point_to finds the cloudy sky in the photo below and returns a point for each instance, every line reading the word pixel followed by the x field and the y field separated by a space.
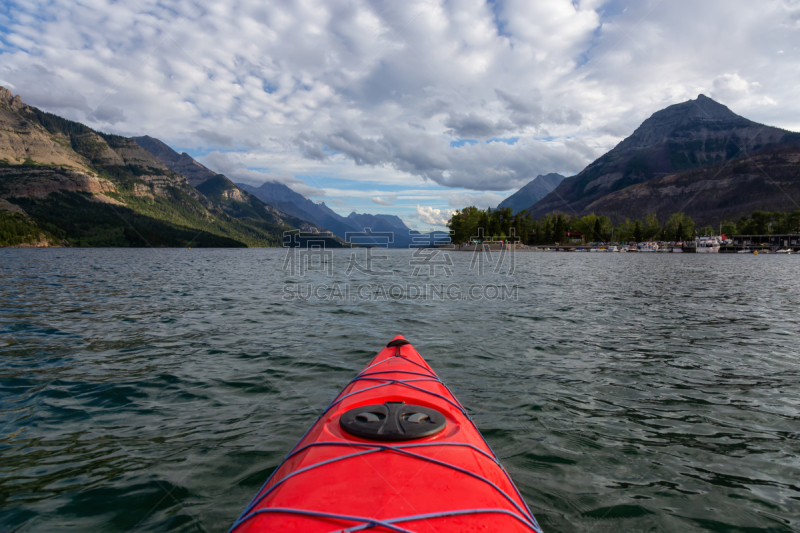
pixel 406 107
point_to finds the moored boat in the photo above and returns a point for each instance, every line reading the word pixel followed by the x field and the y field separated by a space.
pixel 707 245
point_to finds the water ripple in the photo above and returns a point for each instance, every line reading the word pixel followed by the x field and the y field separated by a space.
pixel 157 389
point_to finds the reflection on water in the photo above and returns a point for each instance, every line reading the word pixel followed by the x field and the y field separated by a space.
pixel 157 389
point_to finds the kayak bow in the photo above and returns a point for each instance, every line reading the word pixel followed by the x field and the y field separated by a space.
pixel 395 451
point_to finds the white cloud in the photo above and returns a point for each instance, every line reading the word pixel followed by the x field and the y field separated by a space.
pixel 380 201
pixel 224 163
pixel 108 114
pixel 215 138
pixel 433 216
pixel 481 200
pixel 730 87
pixel 376 92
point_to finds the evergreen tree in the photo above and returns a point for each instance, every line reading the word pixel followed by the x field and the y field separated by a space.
pixel 559 230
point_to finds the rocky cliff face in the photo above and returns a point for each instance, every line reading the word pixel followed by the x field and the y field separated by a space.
pixel 41 181
pixel 63 175
pixel 130 153
pixel 64 156
pixel 23 139
pixel 684 136
pixel 183 163
pixel 768 182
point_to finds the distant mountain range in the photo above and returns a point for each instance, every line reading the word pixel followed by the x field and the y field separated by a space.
pixel 288 201
pixel 658 169
pixel 276 195
pixel 285 199
pixel 68 184
pixel 535 190
pixel 64 183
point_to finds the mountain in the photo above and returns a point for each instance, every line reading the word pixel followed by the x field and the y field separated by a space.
pixel 535 190
pixel 288 201
pixel 390 222
pixel 184 164
pixel 219 189
pixel 67 184
pixel 693 134
pixel 401 234
pixel 768 181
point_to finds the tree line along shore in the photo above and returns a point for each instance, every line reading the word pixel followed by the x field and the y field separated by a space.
pixel 473 224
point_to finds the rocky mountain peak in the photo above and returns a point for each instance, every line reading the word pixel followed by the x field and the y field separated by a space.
pixel 706 107
pixel 157 148
pixel 689 135
pixel 8 98
pixel 182 163
pixel 532 192
pixel 680 119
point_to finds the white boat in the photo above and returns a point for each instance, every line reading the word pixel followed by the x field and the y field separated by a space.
pixel 678 248
pixel 784 251
pixel 612 249
pixel 648 247
pixel 707 245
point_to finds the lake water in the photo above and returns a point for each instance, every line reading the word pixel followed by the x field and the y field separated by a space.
pixel 155 390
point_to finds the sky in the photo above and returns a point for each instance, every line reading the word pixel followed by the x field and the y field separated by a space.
pixel 413 108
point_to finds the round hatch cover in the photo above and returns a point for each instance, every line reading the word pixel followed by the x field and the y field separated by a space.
pixel 393 421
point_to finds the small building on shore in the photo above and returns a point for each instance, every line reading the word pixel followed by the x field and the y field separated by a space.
pixel 791 240
pixel 575 237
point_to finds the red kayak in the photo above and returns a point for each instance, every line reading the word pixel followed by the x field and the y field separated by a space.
pixel 395 451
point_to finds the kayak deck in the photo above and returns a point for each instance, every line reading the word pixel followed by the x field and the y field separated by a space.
pixel 339 478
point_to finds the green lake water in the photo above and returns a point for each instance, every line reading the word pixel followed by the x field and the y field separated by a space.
pixel 156 390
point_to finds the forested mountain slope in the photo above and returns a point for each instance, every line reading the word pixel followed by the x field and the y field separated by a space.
pixel 82 187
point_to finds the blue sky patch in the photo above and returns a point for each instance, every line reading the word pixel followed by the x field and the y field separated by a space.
pixel 462 142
